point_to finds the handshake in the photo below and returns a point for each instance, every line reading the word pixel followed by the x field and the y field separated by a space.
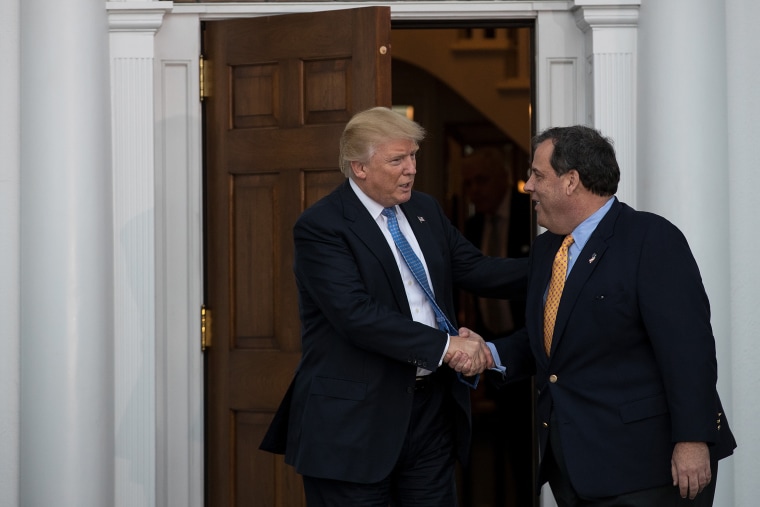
pixel 468 353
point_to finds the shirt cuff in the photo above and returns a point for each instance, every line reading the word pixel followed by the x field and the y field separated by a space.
pixel 445 349
pixel 496 360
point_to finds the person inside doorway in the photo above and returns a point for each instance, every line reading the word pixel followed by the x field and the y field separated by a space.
pixel 502 418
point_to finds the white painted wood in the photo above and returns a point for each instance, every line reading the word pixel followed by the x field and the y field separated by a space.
pixel 132 29
pixel 179 261
pixel 560 79
pixel 611 54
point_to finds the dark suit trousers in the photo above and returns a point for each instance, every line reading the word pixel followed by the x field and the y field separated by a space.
pixel 424 473
pixel 665 496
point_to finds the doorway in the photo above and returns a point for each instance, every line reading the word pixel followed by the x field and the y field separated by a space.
pixel 470 86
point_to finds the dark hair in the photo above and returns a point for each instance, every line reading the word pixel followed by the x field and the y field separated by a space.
pixel 587 151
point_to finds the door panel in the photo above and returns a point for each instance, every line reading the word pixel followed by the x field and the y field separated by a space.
pixel 281 90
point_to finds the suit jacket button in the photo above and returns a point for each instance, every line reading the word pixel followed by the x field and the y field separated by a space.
pixel 553 379
pixel 545 424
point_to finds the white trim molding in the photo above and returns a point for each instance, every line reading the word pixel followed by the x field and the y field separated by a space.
pixel 132 29
pixel 611 29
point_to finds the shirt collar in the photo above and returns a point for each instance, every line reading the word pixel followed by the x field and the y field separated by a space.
pixel 583 232
pixel 374 208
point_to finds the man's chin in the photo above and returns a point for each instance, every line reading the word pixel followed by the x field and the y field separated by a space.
pixel 404 196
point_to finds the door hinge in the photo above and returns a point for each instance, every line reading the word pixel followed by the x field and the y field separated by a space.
pixel 205 328
pixel 202 77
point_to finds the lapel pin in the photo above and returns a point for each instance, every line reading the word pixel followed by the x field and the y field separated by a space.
pixel 421 219
pixel 593 258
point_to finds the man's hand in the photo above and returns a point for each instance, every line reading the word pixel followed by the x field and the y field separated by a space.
pixel 468 353
pixel 690 467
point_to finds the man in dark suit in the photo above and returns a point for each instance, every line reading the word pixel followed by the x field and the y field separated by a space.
pixel 373 416
pixel 628 409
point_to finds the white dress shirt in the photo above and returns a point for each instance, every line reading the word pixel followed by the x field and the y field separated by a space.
pixel 419 305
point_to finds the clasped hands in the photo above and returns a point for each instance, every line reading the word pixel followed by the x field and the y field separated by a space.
pixel 468 353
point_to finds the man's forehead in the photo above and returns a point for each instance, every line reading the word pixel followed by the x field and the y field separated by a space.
pixel 397 146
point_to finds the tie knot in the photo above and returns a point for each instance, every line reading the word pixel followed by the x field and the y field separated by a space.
pixel 389 212
pixel 567 241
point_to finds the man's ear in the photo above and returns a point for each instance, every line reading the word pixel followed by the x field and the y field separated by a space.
pixel 573 181
pixel 358 169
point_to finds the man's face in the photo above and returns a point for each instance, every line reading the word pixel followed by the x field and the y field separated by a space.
pixel 388 176
pixel 548 191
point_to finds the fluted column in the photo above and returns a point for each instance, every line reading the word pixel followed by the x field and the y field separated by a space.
pixel 611 59
pixel 133 26
pixel 66 277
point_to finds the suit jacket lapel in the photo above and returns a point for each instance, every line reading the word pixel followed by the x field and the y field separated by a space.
pixel 366 229
pixel 589 258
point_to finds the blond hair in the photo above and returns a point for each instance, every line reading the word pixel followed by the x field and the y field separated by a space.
pixel 371 128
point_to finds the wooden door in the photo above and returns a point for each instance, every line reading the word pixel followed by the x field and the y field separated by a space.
pixel 281 90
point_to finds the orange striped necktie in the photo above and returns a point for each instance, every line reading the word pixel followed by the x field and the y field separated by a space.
pixel 556 285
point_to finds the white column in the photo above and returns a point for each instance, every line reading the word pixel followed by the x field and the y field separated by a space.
pixel 66 444
pixel 133 26
pixel 683 160
pixel 611 57
pixel 740 175
pixel 9 251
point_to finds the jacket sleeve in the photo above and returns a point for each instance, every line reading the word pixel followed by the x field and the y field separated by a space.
pixel 676 314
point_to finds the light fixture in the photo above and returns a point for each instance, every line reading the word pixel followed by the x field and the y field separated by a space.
pixel 407 111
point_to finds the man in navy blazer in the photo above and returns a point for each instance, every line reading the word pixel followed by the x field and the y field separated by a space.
pixel 374 416
pixel 628 410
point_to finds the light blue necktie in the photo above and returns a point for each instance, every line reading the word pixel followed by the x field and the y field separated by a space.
pixel 417 269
